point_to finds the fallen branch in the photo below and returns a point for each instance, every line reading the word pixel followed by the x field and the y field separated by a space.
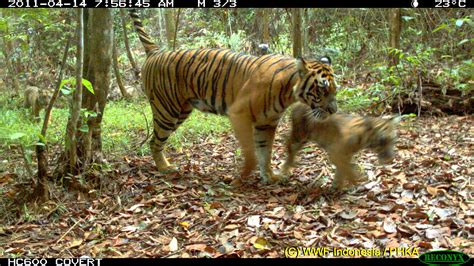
pixel 69 230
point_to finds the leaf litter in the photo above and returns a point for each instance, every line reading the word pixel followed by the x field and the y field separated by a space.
pixel 424 199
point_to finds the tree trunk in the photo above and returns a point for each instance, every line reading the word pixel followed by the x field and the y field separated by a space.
pixel 7 50
pixel 224 17
pixel 75 108
pixel 86 53
pixel 305 34
pixel 136 69
pixel 296 16
pixel 229 22
pixel 162 30
pixel 266 26
pixel 101 42
pixel 176 24
pixel 312 29
pixel 395 30
pixel 118 76
pixel 261 23
pixel 170 27
pixel 10 67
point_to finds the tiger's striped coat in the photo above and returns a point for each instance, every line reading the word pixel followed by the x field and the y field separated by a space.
pixel 252 91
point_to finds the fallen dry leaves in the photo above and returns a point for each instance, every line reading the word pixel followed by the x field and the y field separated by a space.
pixel 424 200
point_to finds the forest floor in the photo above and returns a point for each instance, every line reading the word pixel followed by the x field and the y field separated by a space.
pixel 424 200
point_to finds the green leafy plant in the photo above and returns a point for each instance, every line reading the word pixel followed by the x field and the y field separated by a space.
pixel 68 86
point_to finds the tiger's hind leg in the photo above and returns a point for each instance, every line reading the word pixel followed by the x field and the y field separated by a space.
pixel 162 129
pixel 160 135
pixel 184 114
pixel 156 147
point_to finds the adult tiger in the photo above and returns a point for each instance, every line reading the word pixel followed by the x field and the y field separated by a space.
pixel 253 91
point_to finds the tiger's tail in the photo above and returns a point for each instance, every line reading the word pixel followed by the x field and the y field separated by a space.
pixel 146 40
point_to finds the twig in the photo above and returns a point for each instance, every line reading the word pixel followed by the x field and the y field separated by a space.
pixel 47 114
pixel 420 91
pixel 174 253
pixel 404 85
pixel 69 230
pixel 148 134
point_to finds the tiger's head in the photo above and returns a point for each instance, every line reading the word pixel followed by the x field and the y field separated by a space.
pixel 382 137
pixel 316 86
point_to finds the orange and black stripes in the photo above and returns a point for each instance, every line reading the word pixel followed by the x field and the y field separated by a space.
pixel 144 37
pixel 215 76
pixel 224 82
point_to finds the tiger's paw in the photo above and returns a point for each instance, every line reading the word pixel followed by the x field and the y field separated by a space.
pixel 162 163
pixel 343 185
pixel 237 182
pixel 275 178
pixel 361 179
pixel 337 185
pixel 271 178
pixel 285 171
pixel 283 179
pixel 168 169
pixel 355 180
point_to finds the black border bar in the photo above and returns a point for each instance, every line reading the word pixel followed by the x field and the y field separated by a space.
pixel 196 262
pixel 441 4
pixel 86 261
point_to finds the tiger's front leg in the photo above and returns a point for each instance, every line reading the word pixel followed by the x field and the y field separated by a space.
pixel 242 125
pixel 264 136
pixel 345 175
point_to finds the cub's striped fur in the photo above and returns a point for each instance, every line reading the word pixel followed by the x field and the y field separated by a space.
pixel 342 136
pixel 252 91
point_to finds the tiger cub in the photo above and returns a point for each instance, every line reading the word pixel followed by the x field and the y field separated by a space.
pixel 36 99
pixel 342 136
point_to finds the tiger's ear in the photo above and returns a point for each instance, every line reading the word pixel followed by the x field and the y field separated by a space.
pixel 393 120
pixel 325 60
pixel 301 66
pixel 396 119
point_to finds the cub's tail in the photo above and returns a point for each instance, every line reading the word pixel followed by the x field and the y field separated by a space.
pixel 144 37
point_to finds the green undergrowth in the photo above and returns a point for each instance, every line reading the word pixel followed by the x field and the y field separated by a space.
pixel 124 127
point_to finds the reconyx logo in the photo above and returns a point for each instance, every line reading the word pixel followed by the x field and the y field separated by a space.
pixel 443 257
